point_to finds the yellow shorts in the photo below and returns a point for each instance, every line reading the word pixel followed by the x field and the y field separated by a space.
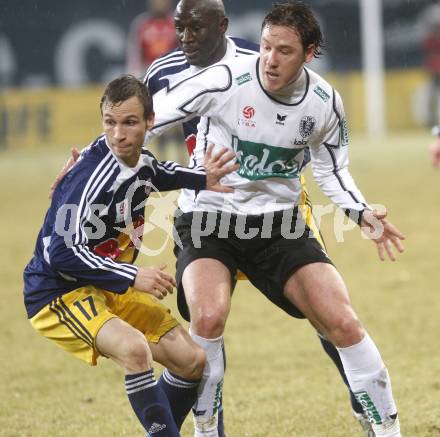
pixel 305 208
pixel 74 319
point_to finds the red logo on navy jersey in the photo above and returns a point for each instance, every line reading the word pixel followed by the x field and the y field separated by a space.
pixel 115 247
pixel 248 112
pixel 190 141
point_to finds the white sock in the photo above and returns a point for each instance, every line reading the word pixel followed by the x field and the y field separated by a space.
pixel 205 411
pixel 369 380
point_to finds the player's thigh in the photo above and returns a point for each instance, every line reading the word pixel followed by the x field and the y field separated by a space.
pixel 178 352
pixel 271 262
pixel 126 345
pixel 319 291
pixel 143 312
pixel 205 271
pixel 207 284
pixel 73 320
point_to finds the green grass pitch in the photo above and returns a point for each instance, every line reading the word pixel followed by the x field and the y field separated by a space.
pixel 279 383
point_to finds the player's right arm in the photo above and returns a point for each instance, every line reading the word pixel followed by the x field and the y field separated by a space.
pixel 154 280
pixel 74 220
pixel 198 95
pixel 434 147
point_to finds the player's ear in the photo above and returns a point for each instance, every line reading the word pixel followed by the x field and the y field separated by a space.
pixel 310 53
pixel 150 121
pixel 224 23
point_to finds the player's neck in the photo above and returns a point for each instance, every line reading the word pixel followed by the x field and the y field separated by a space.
pixel 219 53
pixel 293 90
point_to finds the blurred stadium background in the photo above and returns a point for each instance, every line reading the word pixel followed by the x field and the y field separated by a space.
pixel 54 59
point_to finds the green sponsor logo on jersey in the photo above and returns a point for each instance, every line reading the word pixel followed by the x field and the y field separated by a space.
pixel 243 78
pixel 261 161
pixel 343 133
pixel 321 93
pixel 368 406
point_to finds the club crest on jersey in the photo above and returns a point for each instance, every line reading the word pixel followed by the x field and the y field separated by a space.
pixel 261 161
pixel 248 113
pixel 306 126
pixel 122 210
pixel 281 119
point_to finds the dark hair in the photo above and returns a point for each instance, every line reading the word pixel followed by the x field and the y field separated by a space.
pixel 300 17
pixel 126 86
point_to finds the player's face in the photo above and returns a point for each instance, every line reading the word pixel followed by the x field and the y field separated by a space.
pixel 282 57
pixel 199 33
pixel 125 128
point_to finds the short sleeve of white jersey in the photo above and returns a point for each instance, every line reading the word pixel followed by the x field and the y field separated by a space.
pixel 330 161
pixel 198 95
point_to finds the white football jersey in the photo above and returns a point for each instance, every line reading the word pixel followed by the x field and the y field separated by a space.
pixel 271 139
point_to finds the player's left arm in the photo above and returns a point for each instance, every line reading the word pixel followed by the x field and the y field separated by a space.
pixel 170 175
pixel 382 232
pixel 75 154
pixel 330 168
pixel 330 162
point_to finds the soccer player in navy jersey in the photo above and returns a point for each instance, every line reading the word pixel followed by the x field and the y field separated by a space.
pixel 81 289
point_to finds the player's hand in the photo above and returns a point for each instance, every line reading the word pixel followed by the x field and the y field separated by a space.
pixel 154 280
pixel 383 233
pixel 434 151
pixel 67 166
pixel 217 166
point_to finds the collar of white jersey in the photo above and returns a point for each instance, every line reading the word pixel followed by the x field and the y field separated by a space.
pixel 231 51
pixel 293 94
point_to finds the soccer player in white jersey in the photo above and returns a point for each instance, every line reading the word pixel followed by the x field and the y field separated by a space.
pixel 268 109
pixel 200 28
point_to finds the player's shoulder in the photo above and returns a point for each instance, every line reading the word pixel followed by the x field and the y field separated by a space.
pixel 234 71
pixel 320 89
pixel 242 63
pixel 216 77
pixel 244 46
pixel 95 158
pixel 171 63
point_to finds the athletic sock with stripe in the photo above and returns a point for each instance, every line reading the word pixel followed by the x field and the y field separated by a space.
pixel 150 404
pixel 181 394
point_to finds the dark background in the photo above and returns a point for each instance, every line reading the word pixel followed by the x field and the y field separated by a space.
pixel 31 35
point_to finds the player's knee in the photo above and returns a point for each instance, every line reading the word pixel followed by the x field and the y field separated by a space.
pixel 346 331
pixel 136 355
pixel 209 324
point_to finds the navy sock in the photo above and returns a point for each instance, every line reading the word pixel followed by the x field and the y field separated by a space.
pixel 333 353
pixel 150 404
pixel 181 394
